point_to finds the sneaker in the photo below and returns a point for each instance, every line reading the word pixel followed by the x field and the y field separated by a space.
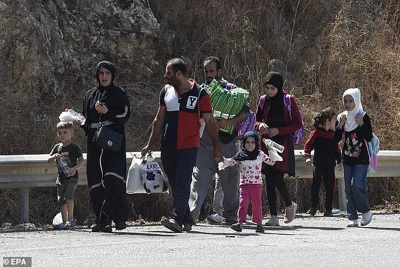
pixel 97 228
pixel 237 227
pixel 229 222
pixel 172 225
pixel 101 227
pixel 312 211
pixel 273 221
pixel 248 217
pixel 120 225
pixel 214 219
pixel 107 229
pixel 60 226
pixel 328 214
pixel 366 218
pixel 353 223
pixel 290 213
pixel 259 228
pixel 187 227
pixel 70 224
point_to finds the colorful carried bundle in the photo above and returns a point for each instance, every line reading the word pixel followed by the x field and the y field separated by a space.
pixel 226 103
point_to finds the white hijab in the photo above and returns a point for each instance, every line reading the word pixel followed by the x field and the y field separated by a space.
pixel 351 123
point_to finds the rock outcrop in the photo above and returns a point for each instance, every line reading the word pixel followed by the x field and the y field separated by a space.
pixel 48 51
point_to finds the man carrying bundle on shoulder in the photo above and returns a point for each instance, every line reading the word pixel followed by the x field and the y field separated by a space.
pixel 230 107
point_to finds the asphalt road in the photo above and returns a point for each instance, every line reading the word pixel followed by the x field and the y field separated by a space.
pixel 307 241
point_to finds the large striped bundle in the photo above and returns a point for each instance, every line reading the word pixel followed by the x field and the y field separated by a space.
pixel 226 103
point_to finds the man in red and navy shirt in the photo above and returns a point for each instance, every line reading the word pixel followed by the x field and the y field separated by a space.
pixel 182 104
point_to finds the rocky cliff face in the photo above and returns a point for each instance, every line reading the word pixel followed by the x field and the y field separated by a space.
pixel 48 51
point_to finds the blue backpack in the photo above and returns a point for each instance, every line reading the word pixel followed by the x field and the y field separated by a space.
pixel 372 149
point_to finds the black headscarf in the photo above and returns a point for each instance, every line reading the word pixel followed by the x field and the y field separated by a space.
pixel 243 154
pixel 275 78
pixel 109 66
pixel 275 116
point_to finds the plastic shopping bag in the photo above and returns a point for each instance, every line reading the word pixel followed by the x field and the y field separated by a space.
pixel 273 149
pixel 134 183
pixel 153 178
pixel 57 220
pixel 70 115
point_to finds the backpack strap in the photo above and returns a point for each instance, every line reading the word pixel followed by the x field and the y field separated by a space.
pixel 367 146
pixel 262 102
pixel 288 103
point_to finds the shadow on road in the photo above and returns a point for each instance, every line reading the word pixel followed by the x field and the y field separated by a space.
pixel 382 228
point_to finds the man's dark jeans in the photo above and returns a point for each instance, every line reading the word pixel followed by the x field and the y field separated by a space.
pixel 178 166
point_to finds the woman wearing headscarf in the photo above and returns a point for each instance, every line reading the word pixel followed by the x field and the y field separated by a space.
pixel 355 127
pixel 274 122
pixel 107 105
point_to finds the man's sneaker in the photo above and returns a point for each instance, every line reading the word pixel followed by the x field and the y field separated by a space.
pixel 290 213
pixel 353 223
pixel 120 225
pixel 366 218
pixel 187 227
pixel 237 227
pixel 229 222
pixel 70 224
pixel 101 227
pixel 274 221
pixel 107 229
pixel 214 219
pixel 312 211
pixel 259 228
pixel 328 213
pixel 172 225
pixel 97 228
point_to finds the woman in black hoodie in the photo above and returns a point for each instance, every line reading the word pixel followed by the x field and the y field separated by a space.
pixel 106 104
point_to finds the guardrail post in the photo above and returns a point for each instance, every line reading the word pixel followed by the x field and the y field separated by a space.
pixel 24 205
pixel 342 195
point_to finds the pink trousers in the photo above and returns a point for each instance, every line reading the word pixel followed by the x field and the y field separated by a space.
pixel 250 193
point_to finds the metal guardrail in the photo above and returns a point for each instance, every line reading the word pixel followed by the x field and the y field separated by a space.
pixel 26 171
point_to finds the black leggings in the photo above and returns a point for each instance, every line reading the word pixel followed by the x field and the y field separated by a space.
pixel 275 180
pixel 326 174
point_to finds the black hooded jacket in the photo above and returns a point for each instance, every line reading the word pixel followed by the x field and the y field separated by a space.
pixel 113 97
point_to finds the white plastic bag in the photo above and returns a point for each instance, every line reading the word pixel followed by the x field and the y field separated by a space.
pixel 70 115
pixel 57 220
pixel 273 154
pixel 152 177
pixel 224 164
pixel 134 183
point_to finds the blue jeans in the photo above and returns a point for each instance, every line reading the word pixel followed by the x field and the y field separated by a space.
pixel 178 166
pixel 355 180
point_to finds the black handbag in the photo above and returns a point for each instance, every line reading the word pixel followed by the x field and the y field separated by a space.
pixel 108 139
